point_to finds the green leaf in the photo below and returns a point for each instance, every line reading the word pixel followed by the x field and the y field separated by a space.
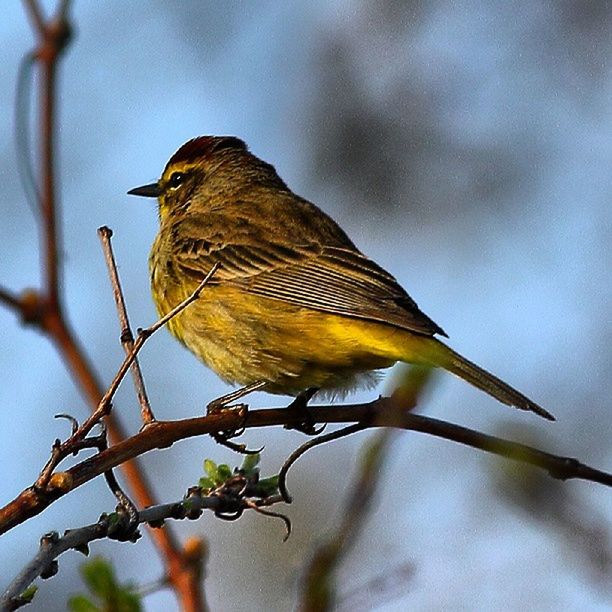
pixel 250 464
pixel 125 601
pixel 210 467
pixel 99 577
pixel 267 486
pixel 80 603
pixel 224 473
pixel 206 483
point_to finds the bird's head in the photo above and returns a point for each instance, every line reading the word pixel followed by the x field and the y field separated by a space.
pixel 207 171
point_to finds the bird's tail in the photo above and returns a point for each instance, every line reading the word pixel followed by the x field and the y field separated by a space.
pixel 444 357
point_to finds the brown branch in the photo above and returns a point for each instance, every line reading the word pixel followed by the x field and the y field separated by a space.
pixel 127 337
pixel 403 399
pixel 73 443
pixel 10 300
pixel 36 16
pixel 44 308
pixel 162 434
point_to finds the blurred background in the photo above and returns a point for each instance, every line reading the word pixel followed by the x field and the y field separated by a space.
pixel 466 146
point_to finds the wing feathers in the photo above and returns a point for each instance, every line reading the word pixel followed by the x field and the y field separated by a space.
pixel 326 278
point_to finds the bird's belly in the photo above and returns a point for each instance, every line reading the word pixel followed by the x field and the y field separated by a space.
pixel 246 338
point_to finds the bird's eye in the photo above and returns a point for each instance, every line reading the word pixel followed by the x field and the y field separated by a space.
pixel 176 180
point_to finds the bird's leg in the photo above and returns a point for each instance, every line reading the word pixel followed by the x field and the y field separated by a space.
pixel 221 404
pixel 306 423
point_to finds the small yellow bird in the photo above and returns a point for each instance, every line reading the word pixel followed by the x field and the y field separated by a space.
pixel 294 306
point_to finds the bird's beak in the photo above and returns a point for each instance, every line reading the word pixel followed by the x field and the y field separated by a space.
pixel 146 191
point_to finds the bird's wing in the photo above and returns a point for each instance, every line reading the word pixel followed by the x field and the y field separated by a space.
pixel 330 279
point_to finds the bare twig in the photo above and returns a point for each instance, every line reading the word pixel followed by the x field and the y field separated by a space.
pixel 296 454
pixel 104 406
pixel 100 442
pixel 257 507
pixel 403 399
pixel 143 336
pixel 127 338
pixel 162 434
pixel 172 313
pixel 36 16
pixel 44 308
pixel 9 299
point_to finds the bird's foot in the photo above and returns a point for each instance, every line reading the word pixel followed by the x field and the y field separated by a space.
pixel 220 405
pixel 305 422
pixel 224 437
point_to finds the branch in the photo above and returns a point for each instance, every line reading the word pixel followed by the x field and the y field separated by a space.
pixel 52 545
pixel 103 408
pixel 43 308
pixel 127 337
pixel 162 434
pixel 36 16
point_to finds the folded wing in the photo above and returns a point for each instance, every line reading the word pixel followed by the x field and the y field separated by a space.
pixel 326 278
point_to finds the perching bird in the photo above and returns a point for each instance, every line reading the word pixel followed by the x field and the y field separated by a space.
pixel 293 305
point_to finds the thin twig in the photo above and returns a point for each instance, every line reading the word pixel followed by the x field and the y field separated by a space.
pixel 43 308
pixel 143 336
pixel 52 545
pixel 10 299
pixel 104 406
pixel 296 454
pixel 62 9
pixel 125 503
pixel 403 399
pixel 36 16
pixel 127 338
pixel 169 315
pixel 257 507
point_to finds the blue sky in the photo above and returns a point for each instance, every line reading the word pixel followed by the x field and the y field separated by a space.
pixel 494 124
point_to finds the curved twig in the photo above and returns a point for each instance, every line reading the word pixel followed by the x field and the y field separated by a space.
pixel 296 454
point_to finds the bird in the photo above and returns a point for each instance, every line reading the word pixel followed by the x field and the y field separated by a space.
pixel 293 306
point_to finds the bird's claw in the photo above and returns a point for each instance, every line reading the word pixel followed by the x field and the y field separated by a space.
pixel 224 437
pixel 306 423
